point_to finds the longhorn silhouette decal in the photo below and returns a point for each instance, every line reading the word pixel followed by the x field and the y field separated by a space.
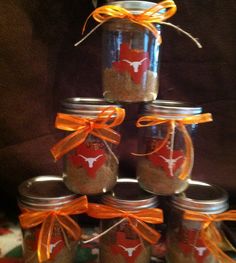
pixel 129 250
pixel 169 159
pixel 52 246
pixel 190 243
pixel 132 61
pixel 200 250
pixel 89 157
pixel 90 160
pixel 135 64
pixel 170 162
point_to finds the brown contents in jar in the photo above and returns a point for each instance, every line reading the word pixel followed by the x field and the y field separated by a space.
pixel 120 86
pixel 78 180
pixel 124 253
pixel 155 180
pixel 65 254
pixel 175 254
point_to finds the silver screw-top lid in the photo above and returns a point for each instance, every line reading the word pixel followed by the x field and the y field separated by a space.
pixel 128 195
pixel 44 192
pixel 202 197
pixel 172 109
pixel 135 7
pixel 85 107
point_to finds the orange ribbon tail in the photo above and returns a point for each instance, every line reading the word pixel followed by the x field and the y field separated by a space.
pixel 209 232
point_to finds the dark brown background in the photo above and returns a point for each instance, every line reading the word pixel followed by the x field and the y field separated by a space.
pixel 39 66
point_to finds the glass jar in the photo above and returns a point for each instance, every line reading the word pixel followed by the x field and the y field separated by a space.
pixel 121 243
pixel 92 167
pixel 166 164
pixel 130 57
pixel 184 242
pixel 46 194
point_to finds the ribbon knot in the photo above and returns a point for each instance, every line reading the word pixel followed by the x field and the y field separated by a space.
pixel 137 219
pixel 156 14
pixel 91 125
pixel 147 121
pixel 210 233
pixel 209 220
pixel 47 219
pixel 100 126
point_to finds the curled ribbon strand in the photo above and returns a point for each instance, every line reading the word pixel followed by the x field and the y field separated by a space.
pixel 147 121
pixel 137 220
pixel 100 127
pixel 47 219
pixel 209 232
pixel 156 14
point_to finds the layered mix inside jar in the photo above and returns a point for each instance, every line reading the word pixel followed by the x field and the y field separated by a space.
pixel 40 198
pixel 159 172
pixel 121 243
pixel 130 57
pixel 62 248
pixel 166 155
pixel 91 166
pixel 186 242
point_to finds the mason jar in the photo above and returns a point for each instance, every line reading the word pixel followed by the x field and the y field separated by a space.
pixel 184 241
pixel 91 167
pixel 130 57
pixel 121 243
pixel 166 153
pixel 46 194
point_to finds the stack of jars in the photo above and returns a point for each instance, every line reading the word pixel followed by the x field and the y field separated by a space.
pixel 128 208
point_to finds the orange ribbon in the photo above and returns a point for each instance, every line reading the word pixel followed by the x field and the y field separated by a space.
pixel 147 121
pixel 136 219
pixel 47 219
pixel 82 127
pixel 209 232
pixel 156 14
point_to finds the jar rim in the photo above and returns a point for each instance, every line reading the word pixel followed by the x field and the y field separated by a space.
pixel 172 108
pixel 202 197
pixel 44 192
pixel 133 199
pixel 135 7
pixel 86 106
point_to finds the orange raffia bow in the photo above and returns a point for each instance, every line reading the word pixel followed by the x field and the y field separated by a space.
pixel 137 220
pixel 209 232
pixel 82 127
pixel 156 14
pixel 47 220
pixel 147 121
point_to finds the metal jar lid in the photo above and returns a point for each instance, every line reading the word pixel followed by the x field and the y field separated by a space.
pixel 172 109
pixel 202 197
pixel 85 107
pixel 135 7
pixel 128 195
pixel 44 192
